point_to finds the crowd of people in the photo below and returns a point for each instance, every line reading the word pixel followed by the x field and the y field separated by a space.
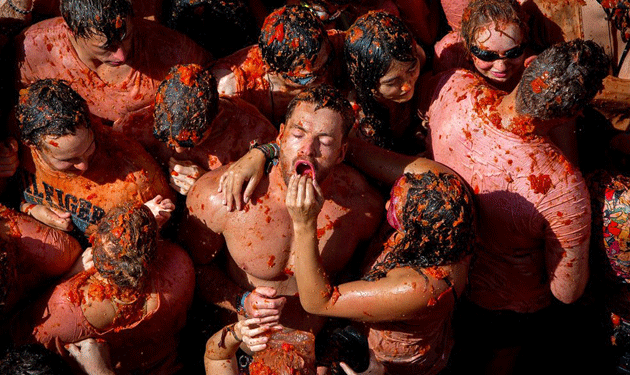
pixel 314 187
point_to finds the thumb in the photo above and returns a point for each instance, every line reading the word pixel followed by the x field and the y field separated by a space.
pixel 266 291
pixel 59 212
pixel 73 349
pixel 347 368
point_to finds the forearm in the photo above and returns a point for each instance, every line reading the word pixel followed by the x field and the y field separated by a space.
pixel 570 275
pixel 222 345
pixel 219 357
pixel 314 287
pixel 379 163
pixel 387 166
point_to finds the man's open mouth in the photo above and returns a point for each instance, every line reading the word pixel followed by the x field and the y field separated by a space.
pixel 305 168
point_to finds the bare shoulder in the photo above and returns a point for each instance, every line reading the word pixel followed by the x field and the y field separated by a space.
pixel 203 200
pixel 100 314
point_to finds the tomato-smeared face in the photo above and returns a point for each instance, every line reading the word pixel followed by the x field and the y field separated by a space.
pixel 505 42
pixel 398 83
pixel 96 49
pixel 68 153
pixel 312 142
pixel 310 74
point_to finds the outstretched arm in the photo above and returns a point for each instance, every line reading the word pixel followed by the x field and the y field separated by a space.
pixel 386 166
pixel 402 293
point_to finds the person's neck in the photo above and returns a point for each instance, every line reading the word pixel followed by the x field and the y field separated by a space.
pixel 511 120
pixel 521 124
pixel 277 185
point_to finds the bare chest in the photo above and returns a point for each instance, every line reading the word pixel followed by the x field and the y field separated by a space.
pixel 259 240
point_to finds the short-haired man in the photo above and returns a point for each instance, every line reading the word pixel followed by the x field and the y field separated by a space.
pixel 258 238
pixel 113 61
pixel 294 52
pixel 76 170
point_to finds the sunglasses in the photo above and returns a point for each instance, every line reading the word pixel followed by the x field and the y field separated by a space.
pixel 490 56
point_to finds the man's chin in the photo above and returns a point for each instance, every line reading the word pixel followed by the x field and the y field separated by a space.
pixel 115 63
pixel 73 173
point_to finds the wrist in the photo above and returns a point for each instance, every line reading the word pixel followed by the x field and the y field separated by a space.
pixel 271 151
pixel 232 329
pixel 24 11
pixel 27 208
pixel 305 227
pixel 240 303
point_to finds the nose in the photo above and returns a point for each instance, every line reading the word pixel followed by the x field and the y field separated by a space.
pixel 308 147
pixel 120 54
pixel 501 65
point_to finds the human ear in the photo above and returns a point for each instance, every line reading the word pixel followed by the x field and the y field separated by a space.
pixel 280 133
pixel 342 152
pixel 529 60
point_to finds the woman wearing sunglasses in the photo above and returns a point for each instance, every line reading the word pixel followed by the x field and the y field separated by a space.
pixel 494 33
pixel 384 63
pixel 491 41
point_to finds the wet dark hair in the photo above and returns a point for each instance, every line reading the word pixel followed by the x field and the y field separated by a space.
pixel 480 13
pixel 124 245
pixel 186 103
pixel 291 38
pixel 562 79
pixel 87 18
pixel 370 45
pixel 438 220
pixel 33 359
pixel 325 96
pixel 204 20
pixel 50 107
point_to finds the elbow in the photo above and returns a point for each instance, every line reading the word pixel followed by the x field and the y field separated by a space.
pixel 312 308
pixel 569 291
pixel 568 298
